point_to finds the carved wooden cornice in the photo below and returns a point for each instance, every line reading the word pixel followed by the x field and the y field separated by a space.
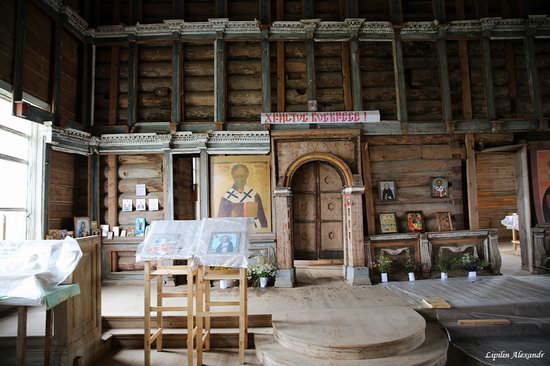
pixel 134 142
pixel 69 140
pixel 245 142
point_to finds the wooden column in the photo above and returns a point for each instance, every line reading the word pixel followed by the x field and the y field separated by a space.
pixel 352 10
pixel 439 10
pixel 356 75
pixel 135 11
pixel 471 177
pixel 464 67
pixel 353 202
pixel 481 10
pixel 311 92
pixel 21 14
pixel 177 91
pixel 219 81
pixel 93 187
pixel 280 63
pixel 488 78
pixel 204 185
pixel 444 80
pixel 367 180
pixel 57 64
pixel 221 8
pixel 85 90
pixel 308 9
pixel 528 250
pixel 46 190
pixel 400 87
pixel 113 85
pixel 112 191
pixel 168 183
pixel 396 16
pixel 533 75
pixel 264 11
pixel 21 335
pixel 132 81
pixel 266 73
pixel 282 199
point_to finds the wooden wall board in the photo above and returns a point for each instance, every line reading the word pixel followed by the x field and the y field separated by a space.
pixel 7 39
pixel 38 53
pixel 71 71
pixel 496 189
pixel 67 189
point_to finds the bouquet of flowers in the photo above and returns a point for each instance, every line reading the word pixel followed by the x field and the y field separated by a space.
pixel 383 263
pixel 471 263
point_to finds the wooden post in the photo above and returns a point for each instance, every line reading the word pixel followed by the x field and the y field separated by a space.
pixel 135 11
pixel 221 8
pixel 481 9
pixel 264 11
pixel 18 55
pixel 93 187
pixel 527 247
pixel 439 10
pixel 21 335
pixel 204 185
pixel 45 191
pixel 532 75
pixel 147 314
pixel 283 209
pixel 308 9
pixel 471 177
pixel 85 89
pixel 399 72
pixel 349 98
pixel 356 75
pixel 113 89
pixel 280 63
pixel 444 79
pixel 310 61
pixel 352 9
pixel 168 182
pixel 112 190
pixel 266 74
pixel 48 337
pixel 464 67
pixel 177 73
pixel 219 81
pixel 488 78
pixel 57 64
pixel 367 179
pixel 132 81
pixel 396 11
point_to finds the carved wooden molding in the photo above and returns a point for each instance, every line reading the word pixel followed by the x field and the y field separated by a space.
pixel 326 157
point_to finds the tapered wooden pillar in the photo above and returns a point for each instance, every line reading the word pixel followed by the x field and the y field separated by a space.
pixel 356 271
pixel 286 275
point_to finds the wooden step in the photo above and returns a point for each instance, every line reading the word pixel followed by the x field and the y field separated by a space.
pixel 174 321
pixel 351 334
pixel 177 338
pixel 433 352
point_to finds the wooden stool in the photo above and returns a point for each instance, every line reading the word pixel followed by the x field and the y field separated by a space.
pixel 158 274
pixel 205 305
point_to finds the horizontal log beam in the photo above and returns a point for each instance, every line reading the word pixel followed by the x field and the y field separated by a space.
pixel 32 113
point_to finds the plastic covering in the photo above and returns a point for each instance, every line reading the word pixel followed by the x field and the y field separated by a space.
pixel 29 268
pixel 219 242
pixel 511 222
pixel 170 239
pixel 224 242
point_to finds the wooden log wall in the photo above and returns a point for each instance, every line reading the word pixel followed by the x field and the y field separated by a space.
pixel 328 77
pixel 7 37
pixel 132 170
pixel 375 10
pixel 295 77
pixel 422 81
pixel 243 9
pixel 455 80
pixel 244 81
pixel 198 81
pixel 477 84
pixel 70 71
pixel 68 189
pixel 154 83
pixel 542 51
pixel 510 79
pixel 417 10
pixel 199 10
pixel 413 164
pixel 377 79
pixel 102 85
pixel 38 53
pixel 184 191
pixel 155 11
pixel 496 190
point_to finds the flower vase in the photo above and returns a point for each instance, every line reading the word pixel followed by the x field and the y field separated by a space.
pixel 384 277
pixel 472 275
pixel 411 276
pixel 224 284
pixel 444 275
pixel 263 282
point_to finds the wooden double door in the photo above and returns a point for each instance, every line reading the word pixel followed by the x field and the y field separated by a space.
pixel 317 210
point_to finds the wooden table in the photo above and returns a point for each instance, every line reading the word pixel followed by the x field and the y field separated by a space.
pixel 51 299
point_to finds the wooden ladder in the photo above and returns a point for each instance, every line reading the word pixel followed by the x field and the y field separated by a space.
pixel 159 274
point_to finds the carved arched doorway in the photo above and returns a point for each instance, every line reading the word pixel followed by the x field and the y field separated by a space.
pixel 317 212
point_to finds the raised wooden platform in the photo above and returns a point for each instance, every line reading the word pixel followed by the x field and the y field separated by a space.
pixel 353 334
pixel 433 352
